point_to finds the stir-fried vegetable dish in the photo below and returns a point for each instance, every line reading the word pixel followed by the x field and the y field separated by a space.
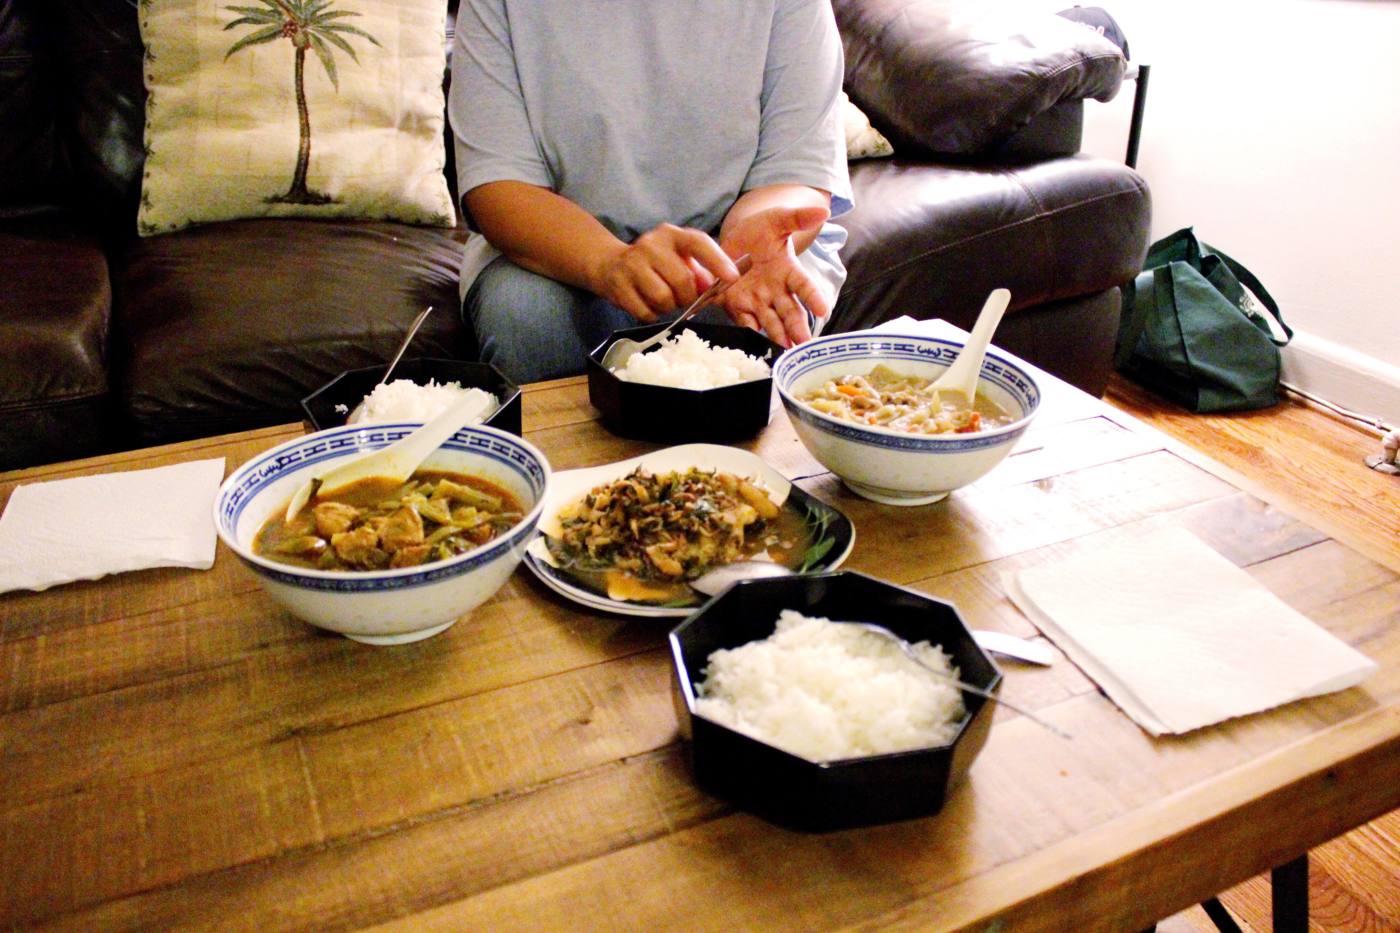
pixel 885 398
pixel 643 536
pixel 379 523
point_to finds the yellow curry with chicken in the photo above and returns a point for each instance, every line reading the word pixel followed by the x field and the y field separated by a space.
pixel 380 523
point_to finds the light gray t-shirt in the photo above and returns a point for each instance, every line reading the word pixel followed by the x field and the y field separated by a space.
pixel 651 111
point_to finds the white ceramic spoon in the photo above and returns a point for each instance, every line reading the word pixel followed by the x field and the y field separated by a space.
pixel 963 374
pixel 1010 646
pixel 397 461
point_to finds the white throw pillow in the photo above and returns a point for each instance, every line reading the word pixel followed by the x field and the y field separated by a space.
pixel 863 141
pixel 308 108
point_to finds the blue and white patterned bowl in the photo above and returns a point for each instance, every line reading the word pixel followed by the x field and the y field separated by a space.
pixel 383 607
pixel 889 466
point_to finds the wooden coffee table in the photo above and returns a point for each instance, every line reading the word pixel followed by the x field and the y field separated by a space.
pixel 177 753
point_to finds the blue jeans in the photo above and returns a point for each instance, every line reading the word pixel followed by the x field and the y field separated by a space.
pixel 532 327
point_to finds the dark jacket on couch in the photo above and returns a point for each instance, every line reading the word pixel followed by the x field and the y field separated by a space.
pixel 115 341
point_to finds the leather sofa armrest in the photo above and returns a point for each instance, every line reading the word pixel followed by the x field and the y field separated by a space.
pixel 957 78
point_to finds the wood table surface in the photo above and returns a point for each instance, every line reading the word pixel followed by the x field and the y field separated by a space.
pixel 178 753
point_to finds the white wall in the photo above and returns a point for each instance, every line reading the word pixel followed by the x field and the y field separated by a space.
pixel 1271 126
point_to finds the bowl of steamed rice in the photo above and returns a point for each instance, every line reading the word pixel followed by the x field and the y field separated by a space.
pixel 418 390
pixel 817 725
pixel 703 382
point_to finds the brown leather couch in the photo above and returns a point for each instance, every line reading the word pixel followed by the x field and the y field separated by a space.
pixel 114 341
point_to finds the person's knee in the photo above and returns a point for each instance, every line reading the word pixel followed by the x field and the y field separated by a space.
pixel 521 321
pixel 504 295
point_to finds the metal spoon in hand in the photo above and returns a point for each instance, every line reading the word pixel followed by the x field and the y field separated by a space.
pixel 624 348
pixel 999 643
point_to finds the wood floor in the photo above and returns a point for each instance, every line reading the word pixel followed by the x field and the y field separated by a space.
pixel 1310 463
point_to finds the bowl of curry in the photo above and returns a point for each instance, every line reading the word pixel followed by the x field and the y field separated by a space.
pixel 381 561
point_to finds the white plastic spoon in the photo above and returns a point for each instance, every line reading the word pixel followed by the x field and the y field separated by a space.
pixel 396 462
pixel 963 374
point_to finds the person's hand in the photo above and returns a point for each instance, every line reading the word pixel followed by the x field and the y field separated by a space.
pixel 766 297
pixel 663 269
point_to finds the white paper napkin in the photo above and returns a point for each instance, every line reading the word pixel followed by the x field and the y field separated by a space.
pixel 89 526
pixel 1179 637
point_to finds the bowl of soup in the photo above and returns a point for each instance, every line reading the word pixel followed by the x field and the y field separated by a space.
pixel 378 561
pixel 862 404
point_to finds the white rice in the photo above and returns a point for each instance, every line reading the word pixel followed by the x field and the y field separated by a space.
pixel 825 691
pixel 406 400
pixel 687 361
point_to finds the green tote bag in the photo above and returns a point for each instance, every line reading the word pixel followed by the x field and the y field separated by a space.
pixel 1195 331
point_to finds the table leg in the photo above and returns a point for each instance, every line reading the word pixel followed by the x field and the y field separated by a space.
pixel 1289 889
pixel 1220 916
pixel 1289 884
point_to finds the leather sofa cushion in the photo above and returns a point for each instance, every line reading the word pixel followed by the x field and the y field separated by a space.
pixel 54 317
pixel 228 326
pixel 102 102
pixel 954 79
pixel 30 178
pixel 1054 132
pixel 932 241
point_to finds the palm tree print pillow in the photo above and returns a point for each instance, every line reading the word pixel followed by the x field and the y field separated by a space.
pixel 307 108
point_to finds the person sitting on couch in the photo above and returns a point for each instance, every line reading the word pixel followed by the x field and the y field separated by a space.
pixel 603 147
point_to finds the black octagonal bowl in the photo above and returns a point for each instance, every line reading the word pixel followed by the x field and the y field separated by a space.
pixel 350 388
pixel 664 413
pixel 794 792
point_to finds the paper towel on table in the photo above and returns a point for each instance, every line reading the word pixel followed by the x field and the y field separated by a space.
pixel 929 327
pixel 89 526
pixel 1179 637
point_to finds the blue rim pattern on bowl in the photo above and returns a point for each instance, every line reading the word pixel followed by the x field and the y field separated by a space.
pixel 499 446
pixel 801 360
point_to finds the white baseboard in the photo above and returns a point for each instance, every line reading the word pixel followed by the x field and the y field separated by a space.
pixel 1341 375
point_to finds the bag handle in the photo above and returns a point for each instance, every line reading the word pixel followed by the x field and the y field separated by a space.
pixel 1257 289
pixel 1182 246
pixel 1138 299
